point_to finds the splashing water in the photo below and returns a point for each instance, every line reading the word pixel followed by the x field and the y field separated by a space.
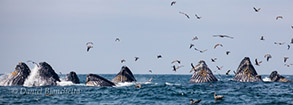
pixel 267 79
pixel 34 78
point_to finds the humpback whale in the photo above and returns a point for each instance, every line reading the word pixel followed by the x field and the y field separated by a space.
pixel 125 75
pixel 96 80
pixel 246 72
pixel 275 77
pixel 202 73
pixel 72 77
pixel 17 77
pixel 43 75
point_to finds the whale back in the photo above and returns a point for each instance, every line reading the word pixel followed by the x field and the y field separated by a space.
pixel 246 72
pixel 96 80
pixel 202 73
pixel 72 77
pixel 17 77
pixel 125 75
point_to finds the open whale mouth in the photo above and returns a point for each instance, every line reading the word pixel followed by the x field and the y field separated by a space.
pixel 42 75
pixel 125 75
pixel 246 72
pixel 17 77
pixel 202 73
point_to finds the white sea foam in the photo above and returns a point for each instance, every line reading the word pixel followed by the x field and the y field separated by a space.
pixel 172 84
pixel 64 83
pixel 267 79
pixel 122 84
pixel 34 78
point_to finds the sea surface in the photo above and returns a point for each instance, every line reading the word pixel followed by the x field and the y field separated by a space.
pixel 162 90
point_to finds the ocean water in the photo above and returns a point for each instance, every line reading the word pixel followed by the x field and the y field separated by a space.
pixel 164 89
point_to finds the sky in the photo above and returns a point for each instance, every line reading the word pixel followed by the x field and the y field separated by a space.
pixel 56 31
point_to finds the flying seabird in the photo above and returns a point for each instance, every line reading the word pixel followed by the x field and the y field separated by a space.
pixel 194 101
pixel 223 36
pixel 201 51
pixel 219 68
pixel 123 60
pixel 88 48
pixel 257 63
pixel 190 46
pixel 256 9
pixel 159 56
pixel 173 2
pixel 198 17
pixel 195 38
pixel 213 59
pixel 227 73
pixel 184 14
pixel 136 58
pixel 117 40
pixel 228 52
pixel 268 56
pixel 285 59
pixel 288 46
pixel 262 38
pixel 218 45
pixel 279 43
pixel 89 43
pixel 279 17
pixel 150 71
pixel 176 68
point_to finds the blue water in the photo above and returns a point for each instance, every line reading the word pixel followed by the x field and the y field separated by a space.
pixel 164 89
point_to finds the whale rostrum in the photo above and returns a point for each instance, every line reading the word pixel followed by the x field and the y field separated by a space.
pixel 72 77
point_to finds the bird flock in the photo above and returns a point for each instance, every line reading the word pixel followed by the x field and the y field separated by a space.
pixel 176 64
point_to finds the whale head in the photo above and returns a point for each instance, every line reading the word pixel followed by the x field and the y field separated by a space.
pixel 125 75
pixel 202 73
pixel 246 72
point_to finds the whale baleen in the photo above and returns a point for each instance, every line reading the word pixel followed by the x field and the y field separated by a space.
pixel 202 73
pixel 246 72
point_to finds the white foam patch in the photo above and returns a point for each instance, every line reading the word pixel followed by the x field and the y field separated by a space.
pixel 172 84
pixel 64 83
pixel 34 78
pixel 122 84
pixel 3 79
pixel 267 79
